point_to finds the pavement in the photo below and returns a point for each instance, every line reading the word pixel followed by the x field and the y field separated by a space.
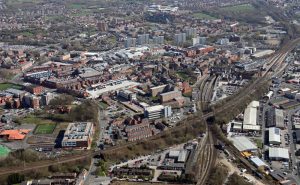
pixel 91 178
pixel 292 148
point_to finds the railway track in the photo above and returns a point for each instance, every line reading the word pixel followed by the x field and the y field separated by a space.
pixel 277 59
pixel 208 156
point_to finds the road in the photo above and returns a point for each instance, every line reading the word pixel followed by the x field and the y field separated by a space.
pixel 92 178
pixel 276 60
pixel 292 146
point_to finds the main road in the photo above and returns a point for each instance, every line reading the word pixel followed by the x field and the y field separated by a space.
pixel 275 61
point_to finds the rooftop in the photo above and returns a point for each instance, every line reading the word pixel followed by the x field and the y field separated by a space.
pixel 243 144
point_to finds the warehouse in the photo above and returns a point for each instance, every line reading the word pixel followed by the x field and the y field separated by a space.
pixel 261 54
pixel 257 162
pixel 275 118
pixel 250 115
pixel 278 154
pixel 243 144
pixel 274 136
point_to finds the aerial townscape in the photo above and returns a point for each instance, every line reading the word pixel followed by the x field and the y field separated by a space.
pixel 130 92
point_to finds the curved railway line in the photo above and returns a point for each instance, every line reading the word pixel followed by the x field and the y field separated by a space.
pixel 275 62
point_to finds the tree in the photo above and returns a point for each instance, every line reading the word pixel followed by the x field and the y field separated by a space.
pixel 62 100
pixel 15 178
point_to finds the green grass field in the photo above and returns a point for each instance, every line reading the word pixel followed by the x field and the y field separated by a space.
pixel 45 129
pixel 4 86
pixel 239 8
pixel 103 105
pixel 203 16
pixel 4 151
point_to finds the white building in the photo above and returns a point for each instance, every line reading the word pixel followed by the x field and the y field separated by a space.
pixel 279 154
pixel 243 144
pixel 157 112
pixel 250 117
pixel 78 135
pixel 274 136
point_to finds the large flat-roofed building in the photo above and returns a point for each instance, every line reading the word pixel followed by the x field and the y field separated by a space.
pixel 275 118
pixel 168 96
pixel 274 136
pixel 250 117
pixel 78 135
pixel 279 154
pixel 157 112
pixel 243 144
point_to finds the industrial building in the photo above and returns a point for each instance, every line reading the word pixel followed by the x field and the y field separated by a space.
pixel 275 118
pixel 261 54
pixel 78 135
pixel 250 117
pixel 157 112
pixel 243 144
pixel 274 136
pixel 257 162
pixel 278 154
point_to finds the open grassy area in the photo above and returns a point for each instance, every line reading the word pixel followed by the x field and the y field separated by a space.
pixel 103 105
pixel 45 129
pixel 239 8
pixel 76 6
pixel 203 16
pixel 4 151
pixel 259 143
pixel 4 86
pixel 32 119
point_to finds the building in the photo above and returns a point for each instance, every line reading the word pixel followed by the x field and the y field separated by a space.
pixel 279 118
pixel 130 42
pixel 121 172
pixel 190 32
pixel 157 90
pixel 261 54
pixel 35 89
pixel 138 131
pixel 179 38
pixel 297 135
pixel 16 93
pixel 278 154
pixel 250 117
pixel 47 97
pixel 275 118
pixel 102 26
pixel 11 135
pixel 157 112
pixel 168 96
pixel 258 162
pixel 78 135
pixel 127 94
pixel 143 39
pixel 243 144
pixel 5 97
pixel 158 40
pixel 274 136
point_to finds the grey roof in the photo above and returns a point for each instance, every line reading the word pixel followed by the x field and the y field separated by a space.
pixel 243 144
pixel 281 153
